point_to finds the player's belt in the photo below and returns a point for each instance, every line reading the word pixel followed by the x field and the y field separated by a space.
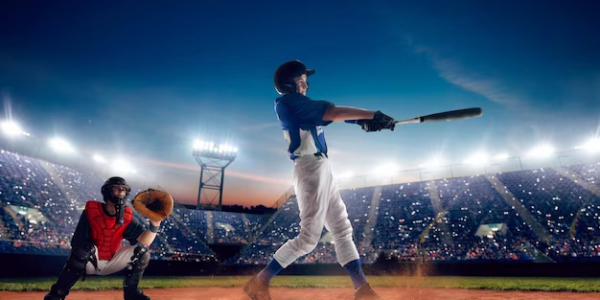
pixel 319 154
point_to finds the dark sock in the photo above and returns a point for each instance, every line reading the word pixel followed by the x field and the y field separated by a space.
pixel 270 271
pixel 356 273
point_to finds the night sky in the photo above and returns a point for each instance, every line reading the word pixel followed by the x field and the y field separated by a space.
pixel 143 81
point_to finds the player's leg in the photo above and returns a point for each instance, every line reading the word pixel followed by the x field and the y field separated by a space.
pixel 119 261
pixel 74 268
pixel 135 267
pixel 338 223
pixel 134 259
pixel 312 193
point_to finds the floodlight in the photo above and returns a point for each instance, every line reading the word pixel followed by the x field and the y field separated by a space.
pixel 434 163
pixel 477 159
pixel 592 146
pixel 198 144
pixel 99 159
pixel 11 128
pixel 542 151
pixel 61 145
pixel 386 169
pixel 122 165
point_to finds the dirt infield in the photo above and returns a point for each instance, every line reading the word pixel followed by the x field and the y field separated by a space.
pixel 217 293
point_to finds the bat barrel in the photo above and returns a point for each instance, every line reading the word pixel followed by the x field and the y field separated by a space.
pixel 452 115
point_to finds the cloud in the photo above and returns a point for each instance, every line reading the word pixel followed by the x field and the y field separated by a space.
pixel 453 71
pixel 491 88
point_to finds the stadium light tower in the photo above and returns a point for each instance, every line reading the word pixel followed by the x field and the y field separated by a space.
pixel 212 160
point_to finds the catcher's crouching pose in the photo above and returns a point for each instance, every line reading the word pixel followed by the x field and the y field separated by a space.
pixel 97 238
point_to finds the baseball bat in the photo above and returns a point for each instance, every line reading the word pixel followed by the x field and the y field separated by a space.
pixel 452 115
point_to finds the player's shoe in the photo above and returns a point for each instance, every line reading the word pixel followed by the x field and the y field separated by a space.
pixel 365 292
pixel 257 289
pixel 136 294
pixel 53 297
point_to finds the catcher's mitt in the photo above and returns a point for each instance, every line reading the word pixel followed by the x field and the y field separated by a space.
pixel 154 204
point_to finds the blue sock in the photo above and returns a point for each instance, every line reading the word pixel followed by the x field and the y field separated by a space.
pixel 271 270
pixel 356 273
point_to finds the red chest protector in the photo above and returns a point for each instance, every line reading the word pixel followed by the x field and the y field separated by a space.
pixel 106 234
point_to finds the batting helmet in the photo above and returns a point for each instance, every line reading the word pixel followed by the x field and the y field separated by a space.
pixel 285 74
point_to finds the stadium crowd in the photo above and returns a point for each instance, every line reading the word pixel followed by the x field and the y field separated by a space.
pixel 41 202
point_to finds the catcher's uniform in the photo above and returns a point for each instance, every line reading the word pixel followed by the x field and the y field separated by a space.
pixel 97 227
pixel 319 200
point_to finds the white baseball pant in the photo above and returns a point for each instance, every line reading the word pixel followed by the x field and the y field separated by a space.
pixel 106 267
pixel 320 205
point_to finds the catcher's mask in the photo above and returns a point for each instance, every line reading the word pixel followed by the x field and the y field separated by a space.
pixel 107 193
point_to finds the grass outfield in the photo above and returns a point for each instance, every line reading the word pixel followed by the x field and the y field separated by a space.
pixel 493 283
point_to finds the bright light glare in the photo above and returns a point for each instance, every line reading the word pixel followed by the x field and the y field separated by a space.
pixel 347 174
pixel 122 166
pixel 11 128
pixel 198 144
pixel 477 159
pixel 592 146
pixel 61 145
pixel 386 170
pixel 542 151
pixel 502 156
pixel 99 159
pixel 434 163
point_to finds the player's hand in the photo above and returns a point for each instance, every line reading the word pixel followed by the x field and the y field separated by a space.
pixel 379 122
pixel 155 223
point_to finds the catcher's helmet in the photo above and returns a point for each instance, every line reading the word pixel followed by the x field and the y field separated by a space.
pixel 285 74
pixel 106 193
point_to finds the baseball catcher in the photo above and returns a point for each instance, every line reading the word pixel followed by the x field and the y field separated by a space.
pixel 319 200
pixel 95 246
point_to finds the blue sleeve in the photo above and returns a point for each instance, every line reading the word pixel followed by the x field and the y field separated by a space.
pixel 285 118
pixel 309 112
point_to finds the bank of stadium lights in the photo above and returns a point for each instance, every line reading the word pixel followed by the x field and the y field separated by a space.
pixel 12 129
pixel 61 146
pixel 541 151
pixel 210 149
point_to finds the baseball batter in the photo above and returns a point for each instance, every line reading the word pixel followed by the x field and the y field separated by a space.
pixel 96 243
pixel 319 200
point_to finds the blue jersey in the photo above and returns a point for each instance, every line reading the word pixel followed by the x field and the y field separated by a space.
pixel 301 119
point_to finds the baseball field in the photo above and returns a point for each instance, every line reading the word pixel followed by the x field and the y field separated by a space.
pixel 319 287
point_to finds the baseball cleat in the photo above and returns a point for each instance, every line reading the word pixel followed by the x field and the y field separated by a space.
pixel 365 292
pixel 257 289
pixel 136 294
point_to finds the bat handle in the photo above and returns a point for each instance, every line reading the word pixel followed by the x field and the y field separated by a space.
pixel 410 121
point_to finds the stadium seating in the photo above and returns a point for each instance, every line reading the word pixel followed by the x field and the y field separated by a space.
pixel 41 202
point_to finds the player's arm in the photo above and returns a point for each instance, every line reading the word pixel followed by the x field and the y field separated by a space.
pixel 148 236
pixel 369 120
pixel 346 113
pixel 82 237
pixel 137 232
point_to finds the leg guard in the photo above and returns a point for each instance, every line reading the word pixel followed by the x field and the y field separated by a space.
pixel 73 269
pixel 134 272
